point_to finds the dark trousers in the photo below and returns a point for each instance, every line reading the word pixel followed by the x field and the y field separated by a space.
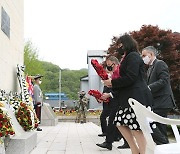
pixel 159 134
pixel 37 108
pixel 112 130
pixel 105 113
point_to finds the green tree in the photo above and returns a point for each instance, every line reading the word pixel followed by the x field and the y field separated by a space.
pixel 51 77
pixel 70 80
pixel 31 61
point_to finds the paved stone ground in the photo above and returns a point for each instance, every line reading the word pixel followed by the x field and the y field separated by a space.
pixel 73 138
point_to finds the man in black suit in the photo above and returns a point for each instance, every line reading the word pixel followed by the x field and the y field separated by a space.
pixel 106 112
pixel 110 109
pixel 158 81
pixel 107 107
pixel 104 115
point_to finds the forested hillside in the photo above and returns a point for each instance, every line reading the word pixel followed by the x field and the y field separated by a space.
pixel 70 79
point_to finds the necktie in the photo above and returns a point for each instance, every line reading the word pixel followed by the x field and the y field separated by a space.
pixel 149 70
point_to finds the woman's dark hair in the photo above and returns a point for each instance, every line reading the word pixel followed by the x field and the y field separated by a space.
pixel 129 43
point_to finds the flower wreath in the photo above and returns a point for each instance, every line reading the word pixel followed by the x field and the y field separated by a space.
pixel 14 102
pixel 97 94
pixel 99 69
pixel 27 117
pixel 5 123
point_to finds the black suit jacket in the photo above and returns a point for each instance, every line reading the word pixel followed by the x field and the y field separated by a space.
pixel 132 83
pixel 112 102
pixel 106 106
pixel 159 82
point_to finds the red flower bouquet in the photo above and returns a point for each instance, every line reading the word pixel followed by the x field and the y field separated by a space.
pixel 97 94
pixel 99 69
pixel 5 125
pixel 26 117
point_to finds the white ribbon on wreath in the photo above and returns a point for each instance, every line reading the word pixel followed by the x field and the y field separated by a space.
pixel 32 118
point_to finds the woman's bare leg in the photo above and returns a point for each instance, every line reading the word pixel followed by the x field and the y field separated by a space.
pixel 126 132
pixel 140 139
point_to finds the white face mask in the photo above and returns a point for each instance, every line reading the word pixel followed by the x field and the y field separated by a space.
pixel 146 60
pixel 40 82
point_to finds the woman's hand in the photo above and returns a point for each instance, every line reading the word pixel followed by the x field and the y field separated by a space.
pixel 107 83
pixel 105 96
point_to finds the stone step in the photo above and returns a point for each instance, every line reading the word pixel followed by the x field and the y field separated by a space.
pixel 48 117
pixel 22 144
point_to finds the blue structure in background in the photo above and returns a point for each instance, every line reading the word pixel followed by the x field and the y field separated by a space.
pixel 53 100
pixel 55 96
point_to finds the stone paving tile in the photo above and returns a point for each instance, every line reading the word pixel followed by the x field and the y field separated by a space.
pixel 55 152
pixel 39 151
pixel 60 140
pixel 72 138
pixel 44 144
pixel 74 152
pixel 57 147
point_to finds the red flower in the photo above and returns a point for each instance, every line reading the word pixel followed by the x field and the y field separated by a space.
pixel 99 69
pixel 36 125
pixel 12 133
pixel 97 94
pixel 1 134
pixel 1 116
pixel 5 120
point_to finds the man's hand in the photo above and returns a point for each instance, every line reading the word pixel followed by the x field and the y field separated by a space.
pixel 99 100
pixel 105 96
pixel 107 83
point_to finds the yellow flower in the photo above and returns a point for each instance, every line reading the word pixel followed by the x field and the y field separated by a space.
pixel 30 99
pixel 1 104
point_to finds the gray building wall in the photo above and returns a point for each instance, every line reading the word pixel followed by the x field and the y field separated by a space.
pixel 94 80
pixel 11 48
pixel 84 84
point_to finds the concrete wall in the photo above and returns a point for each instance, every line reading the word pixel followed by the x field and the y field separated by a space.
pixel 11 49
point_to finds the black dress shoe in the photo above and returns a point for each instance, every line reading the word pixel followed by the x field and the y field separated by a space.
pixel 105 145
pixel 117 139
pixel 39 129
pixel 102 135
pixel 124 146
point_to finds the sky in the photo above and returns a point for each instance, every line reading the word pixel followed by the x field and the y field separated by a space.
pixel 64 30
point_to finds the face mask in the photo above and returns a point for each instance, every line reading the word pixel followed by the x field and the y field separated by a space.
pixel 120 50
pixel 110 68
pixel 40 82
pixel 146 60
